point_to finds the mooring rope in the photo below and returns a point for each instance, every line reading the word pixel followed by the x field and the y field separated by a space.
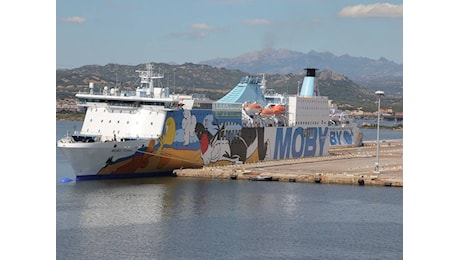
pixel 170 157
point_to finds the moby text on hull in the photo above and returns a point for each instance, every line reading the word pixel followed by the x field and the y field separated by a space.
pixel 150 132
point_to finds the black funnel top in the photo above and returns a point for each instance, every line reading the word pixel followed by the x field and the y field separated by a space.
pixel 311 72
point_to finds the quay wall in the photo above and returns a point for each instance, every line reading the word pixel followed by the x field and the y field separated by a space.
pixel 352 166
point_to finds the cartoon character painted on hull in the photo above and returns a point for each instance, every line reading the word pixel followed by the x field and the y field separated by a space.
pixel 188 124
pixel 236 144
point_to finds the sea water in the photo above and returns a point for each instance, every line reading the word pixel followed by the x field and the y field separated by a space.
pixel 181 218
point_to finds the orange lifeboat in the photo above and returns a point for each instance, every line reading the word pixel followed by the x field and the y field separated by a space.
pixel 278 109
pixel 273 110
pixel 252 108
pixel 266 112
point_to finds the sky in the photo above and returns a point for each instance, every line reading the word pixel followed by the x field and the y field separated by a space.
pixel 136 32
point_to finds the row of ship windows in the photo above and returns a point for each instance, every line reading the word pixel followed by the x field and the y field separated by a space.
pixel 313 100
pixel 119 111
pixel 310 123
pixel 110 121
pixel 125 103
pixel 302 106
pixel 114 131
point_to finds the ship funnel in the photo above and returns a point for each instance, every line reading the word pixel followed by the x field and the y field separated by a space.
pixel 308 85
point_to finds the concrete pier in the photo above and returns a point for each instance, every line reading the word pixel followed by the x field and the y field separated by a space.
pixel 353 166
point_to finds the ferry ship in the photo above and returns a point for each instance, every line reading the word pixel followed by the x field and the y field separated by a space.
pixel 151 132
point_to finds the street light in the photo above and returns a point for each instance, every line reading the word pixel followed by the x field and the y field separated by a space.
pixel 379 93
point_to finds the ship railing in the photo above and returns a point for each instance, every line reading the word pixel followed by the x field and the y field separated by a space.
pixel 85 138
pixel 122 104
pixel 123 93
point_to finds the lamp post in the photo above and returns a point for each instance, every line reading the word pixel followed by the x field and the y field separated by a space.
pixel 379 93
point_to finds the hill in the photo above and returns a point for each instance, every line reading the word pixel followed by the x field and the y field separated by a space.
pixel 215 82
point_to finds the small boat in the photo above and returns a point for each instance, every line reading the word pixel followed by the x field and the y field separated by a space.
pixel 263 178
pixel 279 109
pixel 252 108
pixel 273 110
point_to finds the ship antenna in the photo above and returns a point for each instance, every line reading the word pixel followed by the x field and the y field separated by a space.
pixel 263 84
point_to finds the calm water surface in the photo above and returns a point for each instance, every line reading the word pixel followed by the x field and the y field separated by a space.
pixel 179 218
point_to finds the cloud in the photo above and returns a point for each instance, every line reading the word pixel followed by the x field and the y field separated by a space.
pixel 197 31
pixel 379 10
pixel 256 22
pixel 74 19
pixel 202 26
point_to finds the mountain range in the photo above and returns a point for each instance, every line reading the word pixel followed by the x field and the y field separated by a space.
pixel 380 74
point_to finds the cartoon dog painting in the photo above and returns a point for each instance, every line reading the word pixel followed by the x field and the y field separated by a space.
pixel 215 148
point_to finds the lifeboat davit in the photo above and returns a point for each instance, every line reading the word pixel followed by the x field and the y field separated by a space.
pixel 252 108
pixel 273 110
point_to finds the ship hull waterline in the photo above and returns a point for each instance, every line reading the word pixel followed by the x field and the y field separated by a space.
pixel 152 158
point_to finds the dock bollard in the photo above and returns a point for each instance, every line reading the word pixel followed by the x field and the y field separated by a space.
pixel 361 182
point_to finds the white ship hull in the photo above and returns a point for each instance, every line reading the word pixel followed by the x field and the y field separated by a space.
pixel 90 158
